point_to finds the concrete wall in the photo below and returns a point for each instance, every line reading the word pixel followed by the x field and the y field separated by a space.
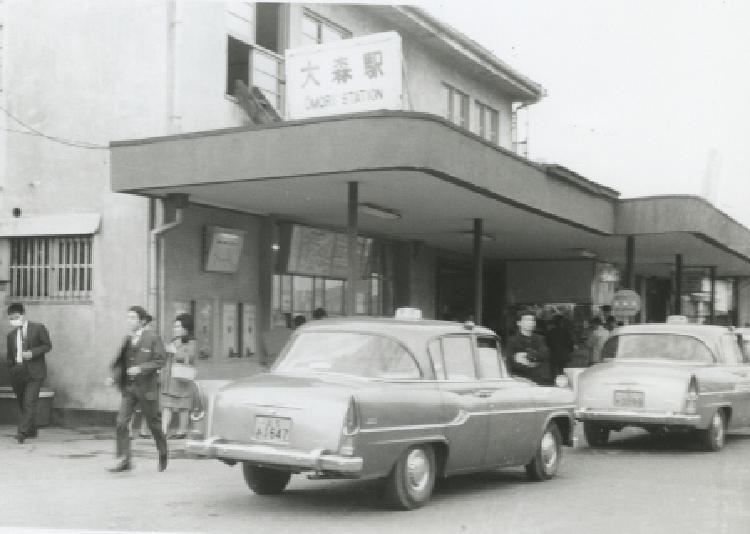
pixel 186 280
pixel 81 74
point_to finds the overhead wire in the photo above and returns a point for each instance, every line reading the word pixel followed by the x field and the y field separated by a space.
pixel 39 133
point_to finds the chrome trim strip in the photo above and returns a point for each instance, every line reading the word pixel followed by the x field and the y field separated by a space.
pixel 266 454
pixel 638 417
pixel 464 416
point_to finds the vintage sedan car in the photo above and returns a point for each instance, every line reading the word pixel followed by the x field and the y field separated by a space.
pixel 402 400
pixel 667 376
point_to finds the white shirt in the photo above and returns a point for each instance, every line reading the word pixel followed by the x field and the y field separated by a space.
pixel 20 334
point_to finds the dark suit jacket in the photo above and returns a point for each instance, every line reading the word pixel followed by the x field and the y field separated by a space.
pixel 148 354
pixel 37 341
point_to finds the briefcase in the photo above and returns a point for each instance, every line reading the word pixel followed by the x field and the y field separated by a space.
pixel 183 372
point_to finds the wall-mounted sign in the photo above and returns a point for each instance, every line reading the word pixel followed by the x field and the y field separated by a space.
pixel 626 303
pixel 318 252
pixel 223 249
pixel 346 76
pixel 608 273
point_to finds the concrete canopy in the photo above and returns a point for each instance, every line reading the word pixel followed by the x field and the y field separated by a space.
pixel 438 178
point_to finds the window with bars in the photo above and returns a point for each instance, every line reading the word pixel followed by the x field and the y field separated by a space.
pixel 51 268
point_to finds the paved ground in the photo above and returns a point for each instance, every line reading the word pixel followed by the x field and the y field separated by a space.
pixel 639 484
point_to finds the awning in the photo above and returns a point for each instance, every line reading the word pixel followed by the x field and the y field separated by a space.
pixel 51 225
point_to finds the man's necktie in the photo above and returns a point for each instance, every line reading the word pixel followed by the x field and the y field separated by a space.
pixel 19 344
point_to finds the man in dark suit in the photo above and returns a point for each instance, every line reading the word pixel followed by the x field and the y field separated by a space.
pixel 28 342
pixel 140 357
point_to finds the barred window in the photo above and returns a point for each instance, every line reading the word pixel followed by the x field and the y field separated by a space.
pixel 51 268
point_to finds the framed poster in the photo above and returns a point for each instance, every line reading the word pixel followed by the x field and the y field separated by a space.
pixel 229 334
pixel 223 249
pixel 249 335
pixel 204 338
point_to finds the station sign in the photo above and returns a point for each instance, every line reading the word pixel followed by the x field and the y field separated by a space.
pixel 346 76
pixel 626 303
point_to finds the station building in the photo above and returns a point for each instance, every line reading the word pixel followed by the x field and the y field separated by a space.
pixel 135 171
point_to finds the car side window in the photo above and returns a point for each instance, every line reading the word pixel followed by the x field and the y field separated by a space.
pixel 730 348
pixel 436 355
pixel 458 358
pixel 488 357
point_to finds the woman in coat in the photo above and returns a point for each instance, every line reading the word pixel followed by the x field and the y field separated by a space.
pixel 177 393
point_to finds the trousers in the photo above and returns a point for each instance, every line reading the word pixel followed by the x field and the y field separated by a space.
pixel 27 395
pixel 132 399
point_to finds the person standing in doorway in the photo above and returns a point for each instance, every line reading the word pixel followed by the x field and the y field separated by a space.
pixel 141 355
pixel 598 335
pixel 27 345
pixel 560 343
pixel 177 391
pixel 527 352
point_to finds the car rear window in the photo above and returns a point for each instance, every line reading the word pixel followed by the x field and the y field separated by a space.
pixel 349 353
pixel 656 347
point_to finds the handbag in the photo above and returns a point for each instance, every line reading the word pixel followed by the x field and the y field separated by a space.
pixel 183 372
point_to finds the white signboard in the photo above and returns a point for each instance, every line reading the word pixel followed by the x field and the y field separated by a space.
pixel 347 76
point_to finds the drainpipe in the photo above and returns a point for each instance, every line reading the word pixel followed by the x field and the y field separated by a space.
pixel 156 264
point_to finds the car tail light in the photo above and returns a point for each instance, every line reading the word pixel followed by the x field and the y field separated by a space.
pixel 691 399
pixel 351 421
pixel 197 422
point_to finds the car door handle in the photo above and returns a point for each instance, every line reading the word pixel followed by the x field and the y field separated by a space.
pixel 484 393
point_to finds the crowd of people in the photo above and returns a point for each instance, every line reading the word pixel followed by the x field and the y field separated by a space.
pixel 542 355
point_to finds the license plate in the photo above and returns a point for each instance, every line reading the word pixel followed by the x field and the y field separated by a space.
pixel 629 399
pixel 272 429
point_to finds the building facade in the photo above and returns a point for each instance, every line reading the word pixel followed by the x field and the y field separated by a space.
pixel 131 173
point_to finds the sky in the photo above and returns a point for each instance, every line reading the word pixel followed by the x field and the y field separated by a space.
pixel 648 97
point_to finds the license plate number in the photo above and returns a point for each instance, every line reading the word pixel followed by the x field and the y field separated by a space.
pixel 629 399
pixel 272 429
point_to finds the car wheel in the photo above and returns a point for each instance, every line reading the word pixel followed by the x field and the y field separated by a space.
pixel 547 458
pixel 265 481
pixel 412 479
pixel 596 435
pixel 712 438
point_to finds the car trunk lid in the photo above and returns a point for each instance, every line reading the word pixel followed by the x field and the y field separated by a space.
pixel 298 412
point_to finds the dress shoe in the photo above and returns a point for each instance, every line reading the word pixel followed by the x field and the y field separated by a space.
pixel 20 438
pixel 162 462
pixel 122 465
pixel 177 436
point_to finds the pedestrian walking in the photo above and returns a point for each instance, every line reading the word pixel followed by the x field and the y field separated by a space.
pixel 177 376
pixel 27 345
pixel 141 355
pixel 527 351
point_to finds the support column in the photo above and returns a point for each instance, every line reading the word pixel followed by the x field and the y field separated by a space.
pixel 712 304
pixel 351 234
pixel 478 271
pixel 678 284
pixel 736 301
pixel 630 262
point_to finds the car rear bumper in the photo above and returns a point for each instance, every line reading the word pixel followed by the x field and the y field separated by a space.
pixel 638 418
pixel 314 460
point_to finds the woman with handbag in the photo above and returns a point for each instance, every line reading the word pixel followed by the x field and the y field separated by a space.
pixel 178 374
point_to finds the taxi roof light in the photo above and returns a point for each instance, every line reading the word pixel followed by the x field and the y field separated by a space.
pixel 408 313
pixel 677 319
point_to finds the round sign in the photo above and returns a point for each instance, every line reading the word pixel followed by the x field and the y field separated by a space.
pixel 626 303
